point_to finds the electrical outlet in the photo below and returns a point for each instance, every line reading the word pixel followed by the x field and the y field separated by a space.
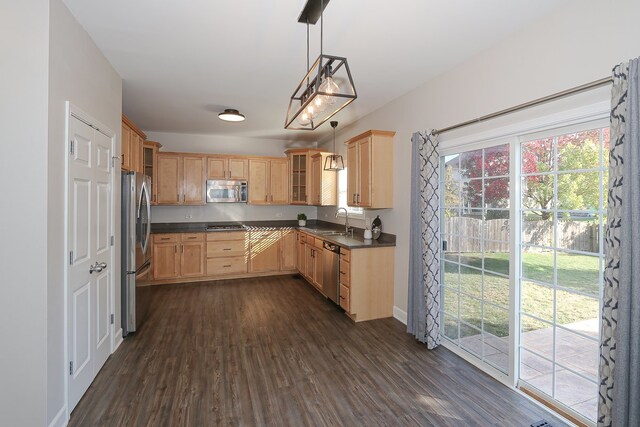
pixel 278 214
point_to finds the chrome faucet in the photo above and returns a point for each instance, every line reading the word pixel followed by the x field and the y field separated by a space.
pixel 348 229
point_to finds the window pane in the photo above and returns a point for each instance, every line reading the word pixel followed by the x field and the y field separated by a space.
pixel 471 311
pixel 496 228
pixel 496 161
pixel 578 353
pixel 579 150
pixel 496 289
pixel 536 336
pixel 536 371
pixel 579 272
pixel 537 156
pixel 471 281
pixel 496 192
pixel 452 187
pixel 451 275
pixel 537 192
pixel 538 265
pixel 497 262
pixel 496 321
pixel 451 327
pixel 496 351
pixel 578 312
pixel 537 228
pixel 578 191
pixel 581 233
pixel 471 164
pixel 472 193
pixel 449 300
pixel 537 300
pixel 572 390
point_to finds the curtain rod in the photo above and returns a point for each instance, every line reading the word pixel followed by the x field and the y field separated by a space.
pixel 558 95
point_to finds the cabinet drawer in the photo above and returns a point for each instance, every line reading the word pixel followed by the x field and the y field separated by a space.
pixel 264 234
pixel 345 255
pixel 345 274
pixel 226 235
pixel 226 248
pixel 303 237
pixel 226 265
pixel 165 238
pixel 344 298
pixel 319 243
pixel 193 237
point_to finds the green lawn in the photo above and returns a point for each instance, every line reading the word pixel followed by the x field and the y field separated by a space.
pixel 576 272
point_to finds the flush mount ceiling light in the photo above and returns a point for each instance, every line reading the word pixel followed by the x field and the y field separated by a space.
pixel 231 115
pixel 328 86
pixel 334 161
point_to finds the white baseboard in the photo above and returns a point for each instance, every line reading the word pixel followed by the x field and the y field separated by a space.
pixel 118 340
pixel 399 314
pixel 61 419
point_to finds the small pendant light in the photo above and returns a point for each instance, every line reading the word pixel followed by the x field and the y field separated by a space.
pixel 334 161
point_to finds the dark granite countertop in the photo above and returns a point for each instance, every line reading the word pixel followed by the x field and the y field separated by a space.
pixel 315 227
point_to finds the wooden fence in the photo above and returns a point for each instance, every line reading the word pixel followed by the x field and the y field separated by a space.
pixel 575 235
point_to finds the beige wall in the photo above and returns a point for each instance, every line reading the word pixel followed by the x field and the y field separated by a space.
pixel 79 73
pixel 24 46
pixel 222 211
pixel 577 44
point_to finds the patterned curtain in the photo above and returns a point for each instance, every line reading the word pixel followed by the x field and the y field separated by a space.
pixel 619 397
pixel 423 317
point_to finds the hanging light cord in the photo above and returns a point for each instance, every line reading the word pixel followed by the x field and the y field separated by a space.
pixel 321 24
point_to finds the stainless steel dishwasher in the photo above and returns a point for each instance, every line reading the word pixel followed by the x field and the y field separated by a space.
pixel 331 275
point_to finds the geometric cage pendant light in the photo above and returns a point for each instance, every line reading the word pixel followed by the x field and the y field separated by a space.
pixel 334 161
pixel 326 88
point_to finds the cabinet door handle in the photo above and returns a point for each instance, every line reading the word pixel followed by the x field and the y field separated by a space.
pixel 182 248
pixel 354 198
pixel 358 198
pixel 226 249
pixel 166 238
pixel 266 198
pixel 178 198
pixel 122 159
pixel 226 266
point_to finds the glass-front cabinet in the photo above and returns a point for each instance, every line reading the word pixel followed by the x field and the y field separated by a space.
pixel 299 162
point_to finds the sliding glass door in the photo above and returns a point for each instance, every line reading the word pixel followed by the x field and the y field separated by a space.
pixel 522 226
pixel 564 181
pixel 475 237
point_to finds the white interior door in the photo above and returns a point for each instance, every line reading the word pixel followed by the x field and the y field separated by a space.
pixel 90 273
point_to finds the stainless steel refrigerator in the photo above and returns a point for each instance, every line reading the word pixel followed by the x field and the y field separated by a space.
pixel 136 248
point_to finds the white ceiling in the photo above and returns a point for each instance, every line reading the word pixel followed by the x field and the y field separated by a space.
pixel 182 62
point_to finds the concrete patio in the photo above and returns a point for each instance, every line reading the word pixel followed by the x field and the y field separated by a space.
pixel 574 354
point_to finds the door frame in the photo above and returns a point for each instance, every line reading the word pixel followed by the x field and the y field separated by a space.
pixel 73 111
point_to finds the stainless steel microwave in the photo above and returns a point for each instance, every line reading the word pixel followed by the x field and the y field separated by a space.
pixel 226 191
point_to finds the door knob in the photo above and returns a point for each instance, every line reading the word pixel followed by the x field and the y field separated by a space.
pixel 97 267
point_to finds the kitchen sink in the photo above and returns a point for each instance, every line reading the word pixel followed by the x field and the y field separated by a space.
pixel 332 233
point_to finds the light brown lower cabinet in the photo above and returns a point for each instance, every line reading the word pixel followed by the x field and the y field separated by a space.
pixel 227 253
pixel 183 257
pixel 366 282
pixel 179 255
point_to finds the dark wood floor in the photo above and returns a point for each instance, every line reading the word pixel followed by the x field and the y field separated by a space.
pixel 272 352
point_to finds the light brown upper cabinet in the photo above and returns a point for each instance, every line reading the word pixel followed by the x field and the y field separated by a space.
pixel 300 179
pixel 180 179
pixel 324 184
pixel 268 181
pixel 370 170
pixel 149 165
pixel 219 167
pixel 310 184
pixel 133 138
